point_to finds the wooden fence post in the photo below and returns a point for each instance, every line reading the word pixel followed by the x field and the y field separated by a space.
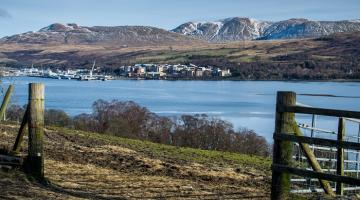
pixel 283 150
pixel 6 101
pixel 21 133
pixel 36 130
pixel 340 157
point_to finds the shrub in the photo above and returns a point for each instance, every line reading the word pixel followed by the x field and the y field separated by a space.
pixel 128 119
pixel 15 113
pixel 57 118
pixel 201 131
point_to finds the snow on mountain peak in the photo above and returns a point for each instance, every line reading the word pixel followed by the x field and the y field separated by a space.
pixel 242 28
pixel 234 28
pixel 58 27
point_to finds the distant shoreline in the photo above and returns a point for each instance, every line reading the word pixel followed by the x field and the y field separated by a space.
pixel 236 79
pixel 214 79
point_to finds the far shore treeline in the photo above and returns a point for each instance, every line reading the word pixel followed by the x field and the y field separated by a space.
pixel 130 120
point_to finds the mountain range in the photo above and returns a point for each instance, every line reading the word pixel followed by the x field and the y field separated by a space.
pixel 112 35
pixel 237 28
pixel 225 30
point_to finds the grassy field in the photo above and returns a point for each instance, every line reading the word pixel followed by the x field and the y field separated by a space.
pixel 82 165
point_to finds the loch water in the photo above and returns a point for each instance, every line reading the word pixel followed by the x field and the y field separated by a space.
pixel 249 104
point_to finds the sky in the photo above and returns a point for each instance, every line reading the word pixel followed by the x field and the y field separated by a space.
pixel 18 16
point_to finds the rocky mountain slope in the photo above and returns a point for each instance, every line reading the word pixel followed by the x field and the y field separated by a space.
pixel 114 35
pixel 234 29
pixel 229 29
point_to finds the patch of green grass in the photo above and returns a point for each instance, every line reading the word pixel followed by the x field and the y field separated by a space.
pixel 323 58
pixel 212 52
pixel 162 151
pixel 182 56
pixel 234 54
pixel 246 58
pixel 154 58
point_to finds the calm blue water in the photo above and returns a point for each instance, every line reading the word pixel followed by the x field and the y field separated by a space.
pixel 249 104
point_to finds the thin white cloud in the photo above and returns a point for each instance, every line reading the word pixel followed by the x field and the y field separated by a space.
pixel 4 13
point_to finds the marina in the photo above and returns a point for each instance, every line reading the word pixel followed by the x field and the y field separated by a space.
pixel 69 74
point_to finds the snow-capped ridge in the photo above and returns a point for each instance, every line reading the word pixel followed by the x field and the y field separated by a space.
pixel 242 28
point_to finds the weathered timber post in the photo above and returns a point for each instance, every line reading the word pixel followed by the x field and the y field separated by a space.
pixel 310 156
pixel 6 101
pixel 21 133
pixel 283 150
pixel 36 130
pixel 340 157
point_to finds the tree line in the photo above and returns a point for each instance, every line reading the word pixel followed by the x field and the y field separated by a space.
pixel 130 120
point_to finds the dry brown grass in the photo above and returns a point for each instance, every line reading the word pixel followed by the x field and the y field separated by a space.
pixel 103 50
pixel 82 165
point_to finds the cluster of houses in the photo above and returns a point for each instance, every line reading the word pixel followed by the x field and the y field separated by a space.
pixel 163 71
pixel 138 71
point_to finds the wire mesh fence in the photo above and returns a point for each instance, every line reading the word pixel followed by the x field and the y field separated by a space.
pixel 326 156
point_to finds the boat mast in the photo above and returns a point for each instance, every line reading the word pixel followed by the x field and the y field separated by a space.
pixel 92 69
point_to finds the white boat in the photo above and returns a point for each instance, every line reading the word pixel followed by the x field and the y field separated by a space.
pixel 87 78
pixel 90 76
